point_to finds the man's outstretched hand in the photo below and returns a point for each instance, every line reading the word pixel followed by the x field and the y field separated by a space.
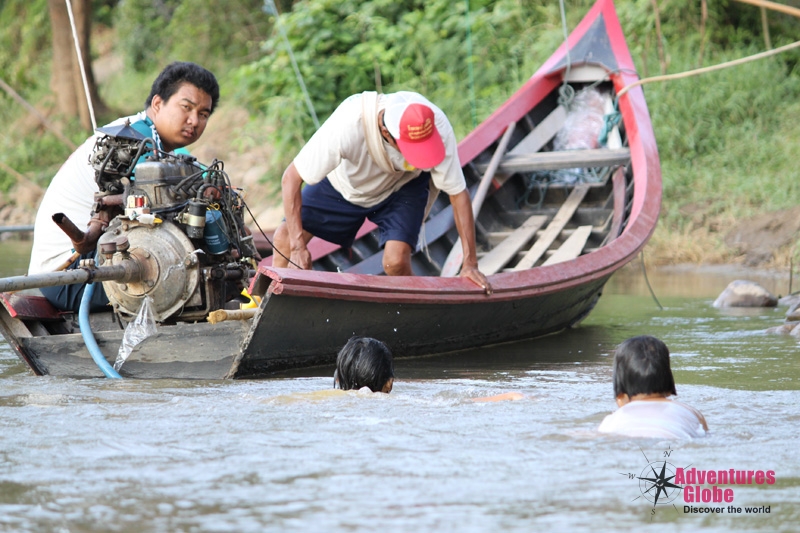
pixel 476 277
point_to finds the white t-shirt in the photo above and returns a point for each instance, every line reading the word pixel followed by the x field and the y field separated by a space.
pixel 339 151
pixel 659 419
pixel 71 192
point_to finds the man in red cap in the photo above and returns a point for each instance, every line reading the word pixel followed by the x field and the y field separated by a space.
pixel 377 157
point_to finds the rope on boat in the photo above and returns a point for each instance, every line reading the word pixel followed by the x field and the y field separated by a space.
pixel 566 93
pixel 609 122
pixel 680 75
pixel 647 281
pixel 80 64
pixel 759 3
pixel 542 180
pixel 698 71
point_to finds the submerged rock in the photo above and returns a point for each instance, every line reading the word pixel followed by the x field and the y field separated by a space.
pixel 743 293
pixel 787 328
pixel 793 314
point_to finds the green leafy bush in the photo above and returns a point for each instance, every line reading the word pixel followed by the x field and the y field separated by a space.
pixel 345 47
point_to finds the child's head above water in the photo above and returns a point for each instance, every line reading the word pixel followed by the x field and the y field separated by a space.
pixel 641 367
pixel 364 362
pixel 643 383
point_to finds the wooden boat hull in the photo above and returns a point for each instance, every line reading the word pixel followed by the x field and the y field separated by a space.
pixel 306 316
pixel 409 328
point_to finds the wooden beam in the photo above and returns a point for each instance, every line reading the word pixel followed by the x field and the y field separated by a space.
pixel 572 247
pixel 501 254
pixel 455 258
pixel 620 195
pixel 600 157
pixel 789 10
pixel 554 228
pixel 542 133
pixel 538 137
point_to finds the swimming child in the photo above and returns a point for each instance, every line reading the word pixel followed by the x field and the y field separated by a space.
pixel 364 362
pixel 643 382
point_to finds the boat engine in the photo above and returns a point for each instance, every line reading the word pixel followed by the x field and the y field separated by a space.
pixel 180 222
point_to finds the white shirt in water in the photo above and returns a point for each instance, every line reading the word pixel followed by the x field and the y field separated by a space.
pixel 667 419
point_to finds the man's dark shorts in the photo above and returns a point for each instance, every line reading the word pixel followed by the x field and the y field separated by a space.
pixel 327 215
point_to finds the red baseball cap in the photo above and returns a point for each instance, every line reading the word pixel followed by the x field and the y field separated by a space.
pixel 410 119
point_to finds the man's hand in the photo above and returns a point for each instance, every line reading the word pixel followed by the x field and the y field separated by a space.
pixel 300 258
pixel 476 276
pixel 290 238
pixel 465 224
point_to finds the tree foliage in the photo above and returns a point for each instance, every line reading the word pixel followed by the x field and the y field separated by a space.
pixel 19 43
pixel 154 32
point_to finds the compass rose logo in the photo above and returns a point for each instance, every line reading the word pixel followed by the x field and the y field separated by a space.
pixel 656 482
pixel 656 485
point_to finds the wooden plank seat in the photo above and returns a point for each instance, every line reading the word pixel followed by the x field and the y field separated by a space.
pixel 570 248
pixel 497 237
pixel 536 139
pixel 553 229
pixel 539 161
pixel 501 254
pixel 541 134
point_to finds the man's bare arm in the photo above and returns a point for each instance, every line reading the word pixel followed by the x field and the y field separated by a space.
pixel 291 185
pixel 465 224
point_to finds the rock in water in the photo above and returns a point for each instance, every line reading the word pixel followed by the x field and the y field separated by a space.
pixel 743 293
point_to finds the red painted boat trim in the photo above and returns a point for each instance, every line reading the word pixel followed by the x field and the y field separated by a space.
pixel 29 307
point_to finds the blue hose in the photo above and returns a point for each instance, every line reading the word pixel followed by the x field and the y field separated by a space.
pixel 88 336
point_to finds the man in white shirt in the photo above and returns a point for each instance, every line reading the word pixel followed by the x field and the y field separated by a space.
pixel 374 158
pixel 181 100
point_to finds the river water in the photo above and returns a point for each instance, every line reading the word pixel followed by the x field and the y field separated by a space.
pixel 282 454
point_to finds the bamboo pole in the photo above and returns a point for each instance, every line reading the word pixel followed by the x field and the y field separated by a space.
pixel 660 38
pixel 765 28
pixel 703 20
pixel 221 315
pixel 11 92
pixel 795 12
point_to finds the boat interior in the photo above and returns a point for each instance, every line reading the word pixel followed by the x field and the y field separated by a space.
pixel 557 194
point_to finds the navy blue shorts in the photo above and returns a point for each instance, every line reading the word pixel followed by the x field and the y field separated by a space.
pixel 327 215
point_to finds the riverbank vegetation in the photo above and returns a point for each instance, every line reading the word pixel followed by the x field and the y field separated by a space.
pixel 726 139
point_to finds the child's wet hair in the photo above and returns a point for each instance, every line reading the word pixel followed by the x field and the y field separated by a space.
pixel 641 366
pixel 363 362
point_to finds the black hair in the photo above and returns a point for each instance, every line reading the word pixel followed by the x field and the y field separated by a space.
pixel 363 362
pixel 179 72
pixel 641 366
